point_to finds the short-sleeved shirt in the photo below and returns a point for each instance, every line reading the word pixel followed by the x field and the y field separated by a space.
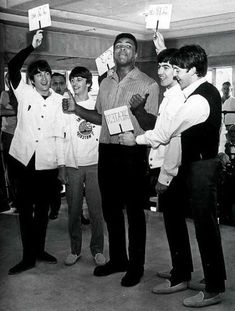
pixel 114 93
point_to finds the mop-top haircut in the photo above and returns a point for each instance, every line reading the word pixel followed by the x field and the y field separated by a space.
pixel 82 72
pixel 36 67
pixel 190 56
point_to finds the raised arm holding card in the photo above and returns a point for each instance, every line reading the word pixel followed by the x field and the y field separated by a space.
pixel 33 147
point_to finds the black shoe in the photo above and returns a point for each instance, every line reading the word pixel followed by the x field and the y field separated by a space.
pixel 132 277
pixel 84 220
pixel 44 256
pixel 21 267
pixel 53 216
pixel 109 268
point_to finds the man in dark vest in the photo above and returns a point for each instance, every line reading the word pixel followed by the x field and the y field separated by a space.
pixel 200 167
pixel 199 122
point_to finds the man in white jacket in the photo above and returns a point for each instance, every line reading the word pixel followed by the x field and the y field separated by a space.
pixel 33 147
pixel 77 151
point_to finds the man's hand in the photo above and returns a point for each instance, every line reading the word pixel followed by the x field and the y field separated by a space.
pixel 224 159
pixel 158 41
pixel 5 100
pixel 110 72
pixel 137 101
pixel 62 176
pixel 68 103
pixel 37 39
pixel 127 139
pixel 160 188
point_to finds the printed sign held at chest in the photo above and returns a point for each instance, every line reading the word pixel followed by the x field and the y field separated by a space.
pixel 118 120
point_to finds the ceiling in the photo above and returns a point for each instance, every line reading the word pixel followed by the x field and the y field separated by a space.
pixel 110 17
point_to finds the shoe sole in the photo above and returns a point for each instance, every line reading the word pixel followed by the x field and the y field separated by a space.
pixel 51 262
pixel 163 275
pixel 99 264
pixel 196 286
pixel 110 273
pixel 47 261
pixel 204 303
pixel 170 290
pixel 130 284
pixel 14 273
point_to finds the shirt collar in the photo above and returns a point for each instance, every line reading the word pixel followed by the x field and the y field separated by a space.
pixel 172 90
pixel 90 98
pixel 192 87
pixel 133 74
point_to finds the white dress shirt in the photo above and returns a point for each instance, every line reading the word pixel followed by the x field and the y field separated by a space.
pixel 168 156
pixel 196 110
pixel 176 119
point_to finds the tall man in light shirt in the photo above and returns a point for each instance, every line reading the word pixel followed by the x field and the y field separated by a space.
pixel 122 169
pixel 199 122
pixel 33 146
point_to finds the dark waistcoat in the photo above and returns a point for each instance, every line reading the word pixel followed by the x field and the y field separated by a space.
pixel 201 141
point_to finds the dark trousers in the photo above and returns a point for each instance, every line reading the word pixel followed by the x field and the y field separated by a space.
pixel 55 201
pixel 122 179
pixel 200 180
pixel 204 178
pixel 35 191
pixel 174 205
pixel 11 166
